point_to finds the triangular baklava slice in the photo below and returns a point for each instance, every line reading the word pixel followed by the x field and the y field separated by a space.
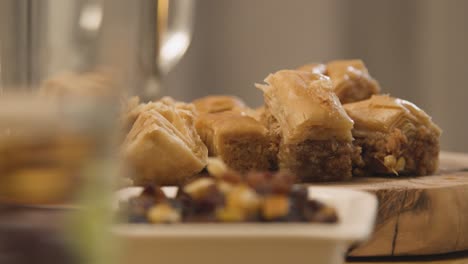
pixel 163 146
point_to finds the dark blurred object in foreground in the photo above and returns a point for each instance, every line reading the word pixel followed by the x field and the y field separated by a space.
pixel 32 236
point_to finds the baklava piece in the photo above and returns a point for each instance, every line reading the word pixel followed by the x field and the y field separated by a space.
pixel 315 131
pixel 274 131
pixel 351 80
pixel 218 103
pixel 242 142
pixel 223 103
pixel 396 137
pixel 163 147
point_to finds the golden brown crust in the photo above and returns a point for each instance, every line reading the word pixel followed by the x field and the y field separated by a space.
pixel 163 147
pixel 384 113
pixel 240 141
pixel 308 126
pixel 305 106
pixel 218 103
pixel 256 113
pixel 396 137
pixel 351 80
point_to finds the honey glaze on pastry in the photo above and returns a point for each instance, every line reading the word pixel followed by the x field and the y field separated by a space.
pixel 223 103
pixel 396 137
pixel 163 147
pixel 351 80
pixel 305 106
pixel 316 141
pixel 218 103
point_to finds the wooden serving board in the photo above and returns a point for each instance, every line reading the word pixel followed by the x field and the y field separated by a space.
pixel 419 215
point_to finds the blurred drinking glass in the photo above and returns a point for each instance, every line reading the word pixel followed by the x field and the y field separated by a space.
pixel 65 67
pixel 57 175
pixel 140 39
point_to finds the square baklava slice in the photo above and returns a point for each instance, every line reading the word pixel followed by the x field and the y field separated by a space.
pixel 396 137
pixel 241 141
pixel 313 129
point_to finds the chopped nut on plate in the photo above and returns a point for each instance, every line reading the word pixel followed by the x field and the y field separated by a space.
pixel 216 167
pixel 275 206
pixel 232 197
pixel 243 198
pixel 199 187
pixel 230 215
pixel 163 213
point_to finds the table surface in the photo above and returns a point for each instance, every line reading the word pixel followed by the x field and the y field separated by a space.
pixel 453 258
pixel 19 224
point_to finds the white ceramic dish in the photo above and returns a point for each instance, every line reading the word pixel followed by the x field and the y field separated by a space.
pixel 252 242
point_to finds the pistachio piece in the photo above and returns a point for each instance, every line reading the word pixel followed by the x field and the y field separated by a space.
pixel 163 213
pixel 390 162
pixel 400 165
pixel 199 188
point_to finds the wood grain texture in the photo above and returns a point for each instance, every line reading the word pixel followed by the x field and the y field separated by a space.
pixel 439 261
pixel 419 215
pixel 452 258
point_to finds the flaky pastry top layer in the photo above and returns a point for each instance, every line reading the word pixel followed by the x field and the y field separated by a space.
pixel 305 106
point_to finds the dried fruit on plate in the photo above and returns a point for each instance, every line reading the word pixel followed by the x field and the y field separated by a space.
pixel 231 197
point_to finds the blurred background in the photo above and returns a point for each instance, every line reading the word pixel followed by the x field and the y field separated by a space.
pixel 417 50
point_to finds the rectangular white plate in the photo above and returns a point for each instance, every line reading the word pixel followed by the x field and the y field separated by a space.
pixel 252 242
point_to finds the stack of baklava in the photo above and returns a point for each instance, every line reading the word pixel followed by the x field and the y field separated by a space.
pixel 319 122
